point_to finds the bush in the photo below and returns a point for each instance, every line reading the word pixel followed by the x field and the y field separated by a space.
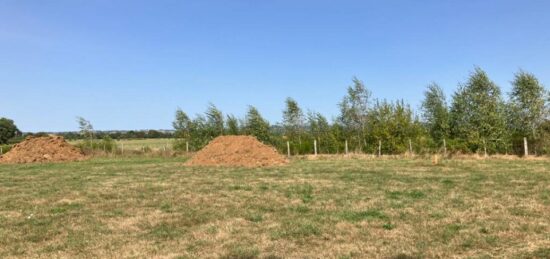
pixel 5 148
pixel 107 144
pixel 457 146
pixel 180 145
pixel 16 140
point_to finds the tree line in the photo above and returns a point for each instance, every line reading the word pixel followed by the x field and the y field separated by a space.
pixel 130 134
pixel 10 134
pixel 477 119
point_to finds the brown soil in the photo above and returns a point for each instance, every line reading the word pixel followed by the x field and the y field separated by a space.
pixel 42 149
pixel 237 151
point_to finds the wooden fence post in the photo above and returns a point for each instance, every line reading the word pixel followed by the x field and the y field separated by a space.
pixel 410 147
pixel 525 147
pixel 346 146
pixel 288 148
pixel 315 146
pixel 1 151
pixel 187 146
pixel 379 148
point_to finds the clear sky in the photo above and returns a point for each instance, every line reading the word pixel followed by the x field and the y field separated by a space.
pixel 130 64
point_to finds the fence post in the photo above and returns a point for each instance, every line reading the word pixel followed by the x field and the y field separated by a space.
pixel 379 148
pixel 315 146
pixel 525 147
pixel 288 148
pixel 444 148
pixel 1 151
pixel 410 147
pixel 187 146
pixel 346 146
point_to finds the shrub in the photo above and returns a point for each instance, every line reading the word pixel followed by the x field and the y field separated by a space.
pixel 107 144
pixel 5 148
pixel 180 145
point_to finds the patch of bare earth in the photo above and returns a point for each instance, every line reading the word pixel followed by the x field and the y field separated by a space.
pixel 42 149
pixel 237 151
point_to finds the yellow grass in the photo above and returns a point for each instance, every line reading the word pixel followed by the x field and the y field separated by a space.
pixel 324 208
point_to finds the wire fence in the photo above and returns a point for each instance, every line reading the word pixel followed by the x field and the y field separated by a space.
pixel 410 147
pixel 290 148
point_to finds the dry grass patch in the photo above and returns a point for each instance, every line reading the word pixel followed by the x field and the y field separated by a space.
pixel 344 208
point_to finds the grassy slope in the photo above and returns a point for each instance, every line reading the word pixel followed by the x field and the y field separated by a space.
pixel 157 207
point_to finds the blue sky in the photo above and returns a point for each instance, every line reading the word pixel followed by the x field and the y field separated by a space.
pixel 130 64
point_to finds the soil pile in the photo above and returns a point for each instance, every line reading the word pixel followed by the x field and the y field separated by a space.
pixel 237 151
pixel 42 149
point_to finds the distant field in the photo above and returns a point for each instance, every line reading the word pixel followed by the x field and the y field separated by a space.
pixel 157 207
pixel 138 144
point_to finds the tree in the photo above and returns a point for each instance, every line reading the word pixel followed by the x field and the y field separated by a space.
pixel 8 130
pixel 321 131
pixel 293 121
pixel 86 128
pixel 199 132
pixel 527 105
pixel 181 124
pixel 354 110
pixel 436 113
pixel 214 121
pixel 256 125
pixel 153 134
pixel 477 114
pixel 232 124
pixel 394 124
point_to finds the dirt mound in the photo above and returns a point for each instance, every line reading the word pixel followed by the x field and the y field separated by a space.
pixel 238 151
pixel 42 149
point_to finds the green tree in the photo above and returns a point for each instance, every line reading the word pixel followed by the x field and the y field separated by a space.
pixel 380 119
pixel 214 121
pixel 86 128
pixel 338 132
pixel 256 125
pixel 436 113
pixel 8 130
pixel 354 109
pixel 527 105
pixel 320 129
pixel 394 124
pixel 232 124
pixel 544 140
pixel 154 134
pixel 182 125
pixel 477 114
pixel 193 132
pixel 293 122
pixel 199 132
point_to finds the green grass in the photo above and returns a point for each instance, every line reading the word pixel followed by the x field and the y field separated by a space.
pixel 138 144
pixel 157 207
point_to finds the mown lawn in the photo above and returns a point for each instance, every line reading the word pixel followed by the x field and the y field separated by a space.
pixel 156 207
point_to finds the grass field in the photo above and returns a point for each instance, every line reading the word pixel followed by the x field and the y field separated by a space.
pixel 156 207
pixel 138 144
